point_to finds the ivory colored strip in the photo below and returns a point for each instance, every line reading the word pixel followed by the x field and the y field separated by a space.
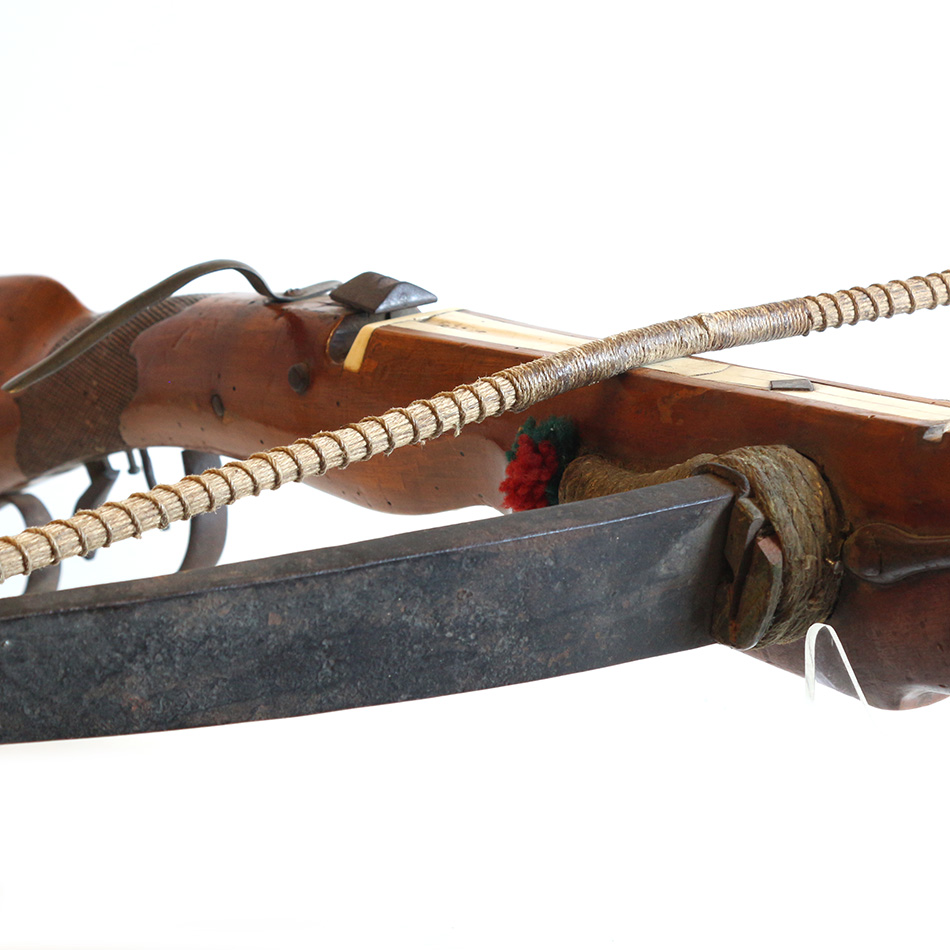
pixel 457 324
pixel 460 325
pixel 354 358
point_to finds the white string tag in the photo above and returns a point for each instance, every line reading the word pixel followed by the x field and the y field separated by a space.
pixel 811 641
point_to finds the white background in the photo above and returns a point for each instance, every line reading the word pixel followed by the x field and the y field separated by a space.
pixel 579 166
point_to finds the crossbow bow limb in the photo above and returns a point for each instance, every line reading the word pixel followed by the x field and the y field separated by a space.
pixel 708 502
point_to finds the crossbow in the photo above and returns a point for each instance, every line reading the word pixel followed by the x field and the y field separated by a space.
pixel 664 501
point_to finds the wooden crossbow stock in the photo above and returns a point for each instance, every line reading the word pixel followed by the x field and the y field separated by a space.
pixel 834 508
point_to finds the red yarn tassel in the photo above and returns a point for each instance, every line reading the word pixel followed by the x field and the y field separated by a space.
pixel 529 473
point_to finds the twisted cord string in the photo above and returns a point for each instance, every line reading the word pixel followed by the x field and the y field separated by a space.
pixel 515 388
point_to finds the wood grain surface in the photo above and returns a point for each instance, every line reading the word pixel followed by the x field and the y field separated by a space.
pixel 215 376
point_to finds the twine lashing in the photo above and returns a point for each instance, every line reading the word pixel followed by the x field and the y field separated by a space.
pixel 516 388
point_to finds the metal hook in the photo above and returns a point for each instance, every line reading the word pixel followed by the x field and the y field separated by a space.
pixel 105 325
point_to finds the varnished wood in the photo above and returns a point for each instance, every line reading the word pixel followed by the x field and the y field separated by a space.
pixel 35 312
pixel 215 377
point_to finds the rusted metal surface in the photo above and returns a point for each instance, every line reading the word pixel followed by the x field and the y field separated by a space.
pixel 748 597
pixel 375 293
pixel 540 594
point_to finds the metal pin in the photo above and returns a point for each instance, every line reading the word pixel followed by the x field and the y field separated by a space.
pixel 299 377
pixel 798 383
pixel 936 432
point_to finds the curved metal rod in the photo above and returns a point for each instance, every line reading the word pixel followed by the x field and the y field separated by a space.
pixel 208 533
pixel 87 338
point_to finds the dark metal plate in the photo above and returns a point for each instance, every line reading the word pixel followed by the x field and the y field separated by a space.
pixel 539 594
